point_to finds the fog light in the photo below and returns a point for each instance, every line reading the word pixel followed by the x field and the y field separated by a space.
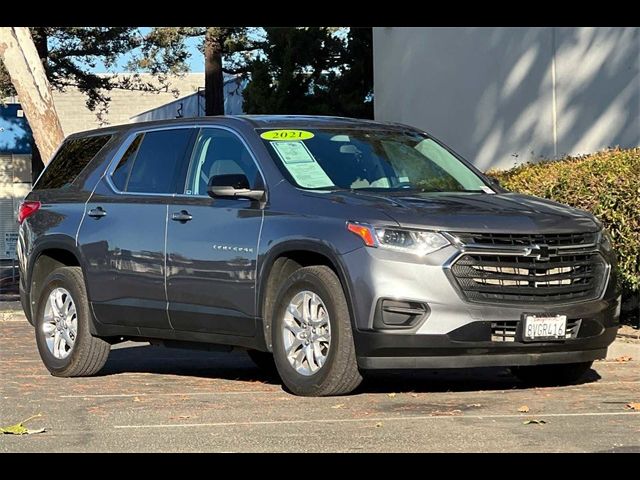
pixel 399 314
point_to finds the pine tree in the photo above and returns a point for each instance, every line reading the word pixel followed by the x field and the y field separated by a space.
pixel 312 70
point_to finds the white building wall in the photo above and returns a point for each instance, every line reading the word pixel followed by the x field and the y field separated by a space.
pixel 501 96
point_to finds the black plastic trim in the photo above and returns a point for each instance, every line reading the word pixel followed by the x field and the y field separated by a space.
pixel 468 361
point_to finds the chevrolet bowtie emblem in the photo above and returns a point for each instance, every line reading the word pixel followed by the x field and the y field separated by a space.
pixel 539 252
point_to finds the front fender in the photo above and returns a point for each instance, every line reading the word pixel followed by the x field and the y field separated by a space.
pixel 313 245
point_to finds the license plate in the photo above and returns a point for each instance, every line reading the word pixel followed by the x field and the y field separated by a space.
pixel 544 327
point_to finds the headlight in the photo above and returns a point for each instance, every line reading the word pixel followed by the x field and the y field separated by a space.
pixel 418 242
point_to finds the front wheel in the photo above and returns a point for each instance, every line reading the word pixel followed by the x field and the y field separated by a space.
pixel 551 375
pixel 313 344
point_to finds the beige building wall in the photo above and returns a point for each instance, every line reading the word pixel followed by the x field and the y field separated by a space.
pixel 75 116
pixel 15 184
pixel 502 96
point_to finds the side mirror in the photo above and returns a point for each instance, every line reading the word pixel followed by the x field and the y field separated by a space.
pixel 232 186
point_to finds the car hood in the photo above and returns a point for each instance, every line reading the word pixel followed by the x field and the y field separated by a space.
pixel 476 212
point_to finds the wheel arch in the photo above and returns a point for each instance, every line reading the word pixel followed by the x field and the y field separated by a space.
pixel 47 255
pixel 305 253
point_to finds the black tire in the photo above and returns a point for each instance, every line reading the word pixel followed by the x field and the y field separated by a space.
pixel 89 353
pixel 264 361
pixel 551 375
pixel 339 374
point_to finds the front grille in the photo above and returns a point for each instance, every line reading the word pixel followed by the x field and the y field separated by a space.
pixel 510 239
pixel 566 274
pixel 505 331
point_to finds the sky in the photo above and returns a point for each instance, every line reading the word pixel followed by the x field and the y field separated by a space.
pixel 196 60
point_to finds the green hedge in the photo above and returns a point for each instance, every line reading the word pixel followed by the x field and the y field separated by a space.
pixel 606 183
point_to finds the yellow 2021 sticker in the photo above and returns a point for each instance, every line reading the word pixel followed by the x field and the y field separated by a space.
pixel 286 135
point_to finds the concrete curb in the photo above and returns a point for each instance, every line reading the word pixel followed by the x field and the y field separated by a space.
pixel 622 347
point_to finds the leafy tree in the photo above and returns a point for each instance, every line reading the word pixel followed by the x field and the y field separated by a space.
pixel 225 50
pixel 352 93
pixel 6 87
pixel 312 70
pixel 69 55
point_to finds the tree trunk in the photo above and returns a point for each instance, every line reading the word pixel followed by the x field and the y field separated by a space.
pixel 21 59
pixel 40 40
pixel 213 77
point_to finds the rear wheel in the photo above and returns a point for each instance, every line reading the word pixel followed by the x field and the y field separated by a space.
pixel 313 344
pixel 551 375
pixel 64 340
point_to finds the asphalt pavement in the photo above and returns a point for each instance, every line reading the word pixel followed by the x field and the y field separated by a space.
pixel 152 399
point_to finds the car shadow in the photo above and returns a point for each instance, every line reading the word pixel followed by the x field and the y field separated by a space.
pixel 450 380
pixel 236 365
pixel 144 358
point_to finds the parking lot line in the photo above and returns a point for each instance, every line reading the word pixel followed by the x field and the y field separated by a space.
pixel 617 382
pixel 117 395
pixel 373 419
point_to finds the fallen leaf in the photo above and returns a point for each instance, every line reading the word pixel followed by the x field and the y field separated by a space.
pixel 20 429
pixel 534 422
pixel 633 406
pixel 391 395
pixel 339 405
pixel 523 409
pixel 623 358
pixel 37 430
pixel 474 405
pixel 378 425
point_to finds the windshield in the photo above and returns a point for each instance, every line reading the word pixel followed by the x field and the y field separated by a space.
pixel 368 159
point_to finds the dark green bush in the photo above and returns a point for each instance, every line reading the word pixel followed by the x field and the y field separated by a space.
pixel 606 184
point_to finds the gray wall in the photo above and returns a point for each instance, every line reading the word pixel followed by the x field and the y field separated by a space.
pixel 501 96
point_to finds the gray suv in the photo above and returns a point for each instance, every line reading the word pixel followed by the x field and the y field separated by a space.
pixel 326 247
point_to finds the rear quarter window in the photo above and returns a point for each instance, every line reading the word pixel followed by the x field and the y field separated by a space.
pixel 72 157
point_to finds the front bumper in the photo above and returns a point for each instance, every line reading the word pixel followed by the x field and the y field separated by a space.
pixel 456 333
pixel 378 350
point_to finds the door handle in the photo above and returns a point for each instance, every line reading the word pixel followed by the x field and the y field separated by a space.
pixel 182 216
pixel 97 212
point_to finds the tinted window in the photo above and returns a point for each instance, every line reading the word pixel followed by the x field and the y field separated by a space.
pixel 70 160
pixel 219 152
pixel 121 173
pixel 159 161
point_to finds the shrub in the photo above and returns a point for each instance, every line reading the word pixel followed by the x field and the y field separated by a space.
pixel 606 184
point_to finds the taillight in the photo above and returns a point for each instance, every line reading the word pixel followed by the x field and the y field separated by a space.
pixel 26 210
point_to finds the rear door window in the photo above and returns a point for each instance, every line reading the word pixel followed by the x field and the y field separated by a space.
pixel 72 157
pixel 120 175
pixel 154 163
